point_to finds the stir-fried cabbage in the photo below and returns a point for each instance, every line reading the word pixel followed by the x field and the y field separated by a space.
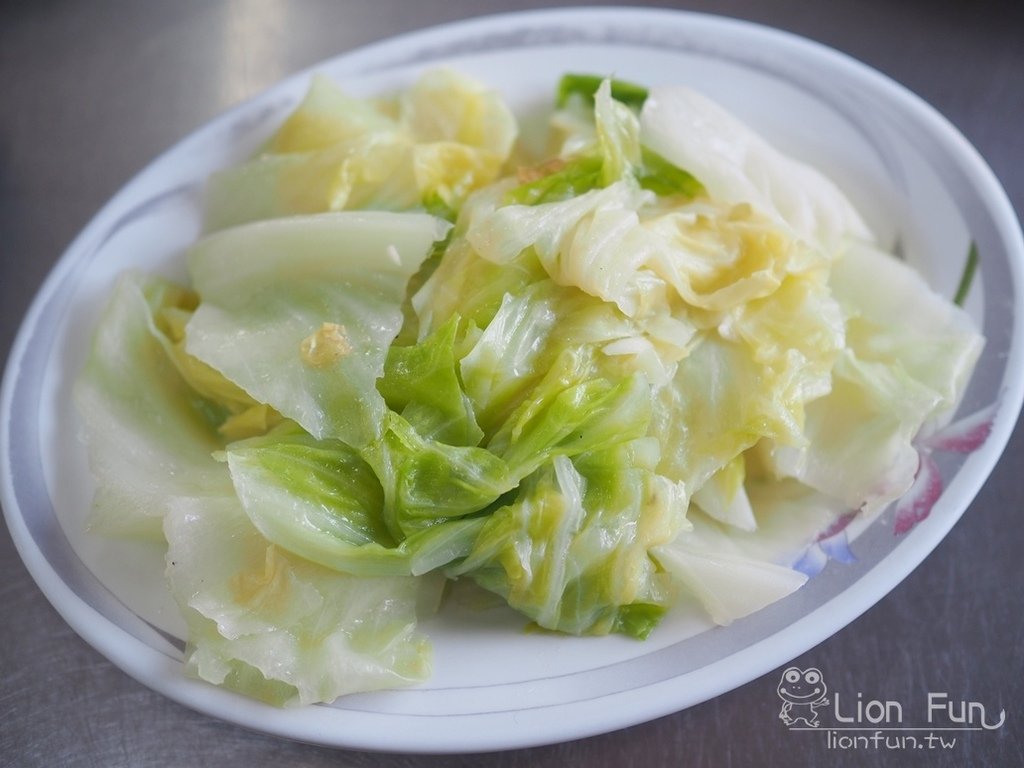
pixel 427 149
pixel 657 364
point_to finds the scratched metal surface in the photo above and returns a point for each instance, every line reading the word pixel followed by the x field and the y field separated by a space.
pixel 90 92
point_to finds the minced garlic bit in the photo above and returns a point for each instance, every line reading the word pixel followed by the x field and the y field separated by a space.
pixel 325 346
pixel 531 173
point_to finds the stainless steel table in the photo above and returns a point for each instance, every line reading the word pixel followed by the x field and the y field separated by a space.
pixel 91 91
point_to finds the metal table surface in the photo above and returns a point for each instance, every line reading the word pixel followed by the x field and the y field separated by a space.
pixel 91 91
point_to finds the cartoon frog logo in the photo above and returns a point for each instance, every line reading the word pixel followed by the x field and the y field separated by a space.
pixel 802 693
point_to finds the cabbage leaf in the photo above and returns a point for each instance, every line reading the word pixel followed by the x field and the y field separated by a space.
pixel 281 628
pixel 300 312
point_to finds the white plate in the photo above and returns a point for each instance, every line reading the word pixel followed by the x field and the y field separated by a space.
pixel 494 685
